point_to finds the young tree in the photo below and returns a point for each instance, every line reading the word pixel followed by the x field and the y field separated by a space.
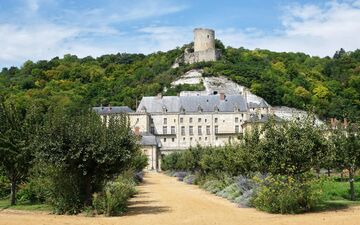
pixel 16 137
pixel 85 147
pixel 347 151
pixel 291 148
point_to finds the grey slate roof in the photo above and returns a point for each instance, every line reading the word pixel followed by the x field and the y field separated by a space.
pixel 193 103
pixel 263 119
pixel 112 110
pixel 262 104
pixel 148 140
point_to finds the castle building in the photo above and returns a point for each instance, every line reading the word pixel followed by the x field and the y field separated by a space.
pixel 204 47
pixel 171 123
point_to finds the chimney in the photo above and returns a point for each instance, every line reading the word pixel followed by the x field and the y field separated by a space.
pixel 137 131
pixel 222 96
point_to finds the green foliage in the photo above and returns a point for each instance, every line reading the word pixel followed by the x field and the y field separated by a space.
pixel 173 91
pixel 346 145
pixel 85 153
pixel 17 132
pixel 4 186
pixel 336 190
pixel 291 148
pixel 113 199
pixel 286 194
pixel 330 86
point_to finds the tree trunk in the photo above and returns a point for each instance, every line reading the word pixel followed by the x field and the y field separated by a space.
pixel 13 191
pixel 351 181
pixel 88 191
pixel 328 172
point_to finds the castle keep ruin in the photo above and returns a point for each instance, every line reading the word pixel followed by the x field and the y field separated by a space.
pixel 204 47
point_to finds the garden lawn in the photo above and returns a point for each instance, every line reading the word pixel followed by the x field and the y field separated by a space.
pixel 334 190
pixel 5 204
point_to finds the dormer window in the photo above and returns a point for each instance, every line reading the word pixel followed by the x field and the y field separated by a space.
pixel 216 109
pixel 143 109
pixel 200 109
pixel 164 109
pixel 182 110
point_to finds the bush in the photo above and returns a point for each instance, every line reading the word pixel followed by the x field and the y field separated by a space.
pixel 66 196
pixel 190 179
pixel 114 197
pixel 180 175
pixel 213 186
pixel 285 194
pixel 230 192
pixel 4 186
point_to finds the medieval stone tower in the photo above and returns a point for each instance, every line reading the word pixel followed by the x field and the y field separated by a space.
pixel 204 39
pixel 204 47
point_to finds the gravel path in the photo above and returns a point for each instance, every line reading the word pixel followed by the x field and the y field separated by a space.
pixel 164 201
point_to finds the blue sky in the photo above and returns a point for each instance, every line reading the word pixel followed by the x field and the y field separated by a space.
pixel 43 29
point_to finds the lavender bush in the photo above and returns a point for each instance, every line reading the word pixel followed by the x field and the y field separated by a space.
pixel 190 179
pixel 180 175
pixel 230 192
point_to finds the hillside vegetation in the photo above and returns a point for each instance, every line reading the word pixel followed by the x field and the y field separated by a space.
pixel 328 86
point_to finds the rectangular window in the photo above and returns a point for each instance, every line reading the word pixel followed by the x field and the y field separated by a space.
pixel 199 130
pixel 165 120
pixel 183 131
pixel 172 129
pixel 173 139
pixel 190 120
pixel 216 120
pixel 205 120
pixel 205 138
pixel 236 119
pixel 236 128
pixel 152 130
pixel 181 120
pixel 191 130
pixel 199 138
pixel 208 130
pixel 199 120
pixel 216 129
pixel 164 129
pixel 164 139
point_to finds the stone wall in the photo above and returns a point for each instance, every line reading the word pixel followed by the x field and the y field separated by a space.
pixel 202 56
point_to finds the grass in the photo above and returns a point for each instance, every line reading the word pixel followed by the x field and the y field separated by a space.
pixel 5 204
pixel 335 190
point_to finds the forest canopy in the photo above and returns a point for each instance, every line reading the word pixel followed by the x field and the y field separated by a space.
pixel 328 86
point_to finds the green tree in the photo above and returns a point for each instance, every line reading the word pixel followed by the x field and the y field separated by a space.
pixel 84 147
pixel 17 132
pixel 347 150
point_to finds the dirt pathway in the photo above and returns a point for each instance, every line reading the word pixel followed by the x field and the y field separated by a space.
pixel 164 201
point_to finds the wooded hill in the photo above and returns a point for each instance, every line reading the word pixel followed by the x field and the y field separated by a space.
pixel 328 86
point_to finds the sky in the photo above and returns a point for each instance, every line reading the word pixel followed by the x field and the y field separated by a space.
pixel 43 29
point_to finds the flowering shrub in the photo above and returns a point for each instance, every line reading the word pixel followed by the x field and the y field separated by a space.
pixel 285 194
pixel 113 199
pixel 190 179
pixel 213 186
pixel 180 175
pixel 230 192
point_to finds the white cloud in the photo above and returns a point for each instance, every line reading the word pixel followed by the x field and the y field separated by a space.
pixel 85 31
pixel 32 5
pixel 307 28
